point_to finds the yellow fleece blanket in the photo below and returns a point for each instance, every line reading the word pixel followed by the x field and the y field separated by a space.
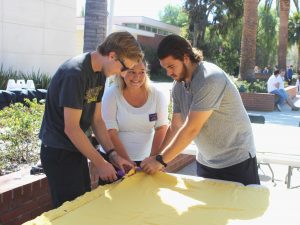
pixel 164 199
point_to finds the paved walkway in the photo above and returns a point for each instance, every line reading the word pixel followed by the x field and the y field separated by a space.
pixel 285 117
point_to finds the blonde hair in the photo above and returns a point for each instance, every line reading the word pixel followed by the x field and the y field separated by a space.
pixel 119 80
pixel 123 44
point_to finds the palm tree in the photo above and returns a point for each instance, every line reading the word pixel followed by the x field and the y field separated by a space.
pixel 283 33
pixel 248 44
pixel 95 23
pixel 283 6
pixel 266 37
pixel 294 33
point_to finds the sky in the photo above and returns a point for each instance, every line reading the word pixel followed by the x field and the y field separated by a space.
pixel 147 8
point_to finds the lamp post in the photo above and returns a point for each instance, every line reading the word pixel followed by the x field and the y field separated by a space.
pixel 110 16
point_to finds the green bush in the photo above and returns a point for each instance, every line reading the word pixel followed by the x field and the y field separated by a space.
pixel 19 128
pixel 5 75
pixel 157 73
pixel 258 86
pixel 41 80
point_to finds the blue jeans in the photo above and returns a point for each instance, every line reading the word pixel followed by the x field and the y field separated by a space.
pixel 283 96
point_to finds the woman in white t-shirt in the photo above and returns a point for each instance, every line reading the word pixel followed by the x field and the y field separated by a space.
pixel 135 114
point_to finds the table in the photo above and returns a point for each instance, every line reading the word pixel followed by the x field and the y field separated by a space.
pixel 278 144
pixel 275 144
pixel 274 138
pixel 168 199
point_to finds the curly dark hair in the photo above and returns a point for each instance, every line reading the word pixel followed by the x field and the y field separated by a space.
pixel 176 46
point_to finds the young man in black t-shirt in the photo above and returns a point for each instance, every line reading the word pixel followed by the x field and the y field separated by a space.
pixel 73 105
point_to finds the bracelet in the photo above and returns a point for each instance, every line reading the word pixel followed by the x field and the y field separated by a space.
pixel 110 151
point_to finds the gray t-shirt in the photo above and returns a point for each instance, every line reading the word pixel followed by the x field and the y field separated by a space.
pixel 226 138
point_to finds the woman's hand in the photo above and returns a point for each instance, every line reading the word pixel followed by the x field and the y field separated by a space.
pixel 121 163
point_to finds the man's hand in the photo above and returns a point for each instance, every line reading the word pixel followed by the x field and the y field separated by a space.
pixel 118 161
pixel 150 165
pixel 107 172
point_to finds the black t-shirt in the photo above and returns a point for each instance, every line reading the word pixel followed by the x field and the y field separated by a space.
pixel 74 85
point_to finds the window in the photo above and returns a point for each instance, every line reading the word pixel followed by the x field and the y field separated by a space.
pixel 142 27
pixel 160 31
pixel 131 25
pixel 154 30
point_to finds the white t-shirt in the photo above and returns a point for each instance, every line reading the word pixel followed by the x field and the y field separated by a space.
pixel 272 81
pixel 135 126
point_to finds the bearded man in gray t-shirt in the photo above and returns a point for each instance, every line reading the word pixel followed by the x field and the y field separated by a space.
pixel 208 110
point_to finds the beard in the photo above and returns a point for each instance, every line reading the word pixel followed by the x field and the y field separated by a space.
pixel 183 74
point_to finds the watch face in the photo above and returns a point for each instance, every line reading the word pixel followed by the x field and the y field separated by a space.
pixel 160 160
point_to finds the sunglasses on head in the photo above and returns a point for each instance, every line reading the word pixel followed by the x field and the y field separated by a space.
pixel 124 67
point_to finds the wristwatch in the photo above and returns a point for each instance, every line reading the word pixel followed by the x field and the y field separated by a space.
pixel 160 160
pixel 111 153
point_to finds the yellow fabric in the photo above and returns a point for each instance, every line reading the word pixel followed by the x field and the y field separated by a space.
pixel 164 199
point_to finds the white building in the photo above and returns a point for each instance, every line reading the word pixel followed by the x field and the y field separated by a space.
pixel 146 30
pixel 37 34
pixel 140 25
pixel 42 34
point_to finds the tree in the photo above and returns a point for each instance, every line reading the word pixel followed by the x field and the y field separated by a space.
pixel 248 43
pixel 266 39
pixel 225 47
pixel 95 23
pixel 294 33
pixel 268 4
pixel 175 15
pixel 283 6
pixel 220 14
pixel 283 33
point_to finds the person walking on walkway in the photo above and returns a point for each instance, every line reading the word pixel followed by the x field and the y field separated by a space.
pixel 289 74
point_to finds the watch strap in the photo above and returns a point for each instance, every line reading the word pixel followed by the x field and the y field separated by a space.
pixel 110 152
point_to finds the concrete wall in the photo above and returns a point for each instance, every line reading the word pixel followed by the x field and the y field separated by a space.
pixel 37 34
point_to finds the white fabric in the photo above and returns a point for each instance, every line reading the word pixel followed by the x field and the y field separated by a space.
pixel 134 127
